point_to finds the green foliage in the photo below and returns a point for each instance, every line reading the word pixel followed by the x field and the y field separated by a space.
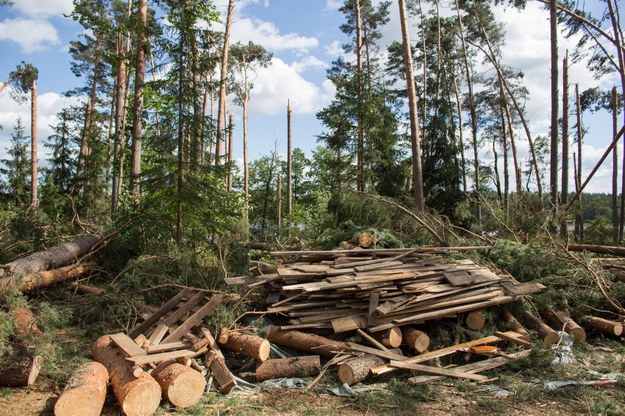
pixel 16 169
pixel 598 230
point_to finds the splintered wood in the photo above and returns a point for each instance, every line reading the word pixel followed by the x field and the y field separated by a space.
pixel 379 290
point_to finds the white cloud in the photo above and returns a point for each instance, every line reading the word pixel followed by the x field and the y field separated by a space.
pixel 309 62
pixel 332 5
pixel 43 8
pixel 32 35
pixel 279 82
pixel 334 49
pixel 268 35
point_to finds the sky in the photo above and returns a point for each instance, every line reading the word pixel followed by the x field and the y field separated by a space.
pixel 305 38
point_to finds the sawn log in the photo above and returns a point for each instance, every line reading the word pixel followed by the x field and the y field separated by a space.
pixel 85 391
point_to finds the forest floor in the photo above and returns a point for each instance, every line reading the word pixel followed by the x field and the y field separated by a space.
pixel 522 386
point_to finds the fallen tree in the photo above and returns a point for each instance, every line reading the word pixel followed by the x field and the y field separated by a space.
pixel 28 282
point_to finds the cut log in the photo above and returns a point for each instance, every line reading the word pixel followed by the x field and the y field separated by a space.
pixel 545 332
pixel 136 395
pixel 87 289
pixel 305 366
pixel 302 341
pixel 248 345
pixel 390 338
pixel 20 370
pixel 604 325
pixel 182 386
pixel 50 258
pixel 358 369
pixel 562 320
pixel 515 325
pixel 475 320
pixel 364 240
pixel 28 282
pixel 616 251
pixel 85 391
pixel 415 339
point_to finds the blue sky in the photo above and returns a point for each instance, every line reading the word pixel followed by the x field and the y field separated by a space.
pixel 304 37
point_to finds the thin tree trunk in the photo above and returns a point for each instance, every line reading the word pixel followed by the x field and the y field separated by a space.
pixel 246 172
pixel 360 129
pixel 196 131
pixel 181 107
pixel 279 206
pixel 289 160
pixel 565 140
pixel 137 128
pixel 230 150
pixel 417 176
pixel 119 124
pixel 506 172
pixel 34 200
pixel 579 216
pixel 221 109
pixel 554 109
pixel 615 215
pixel 460 136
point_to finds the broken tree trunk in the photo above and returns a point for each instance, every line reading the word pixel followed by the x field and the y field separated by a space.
pixel 475 320
pixel 305 366
pixel 415 339
pixel 358 369
pixel 604 325
pixel 50 258
pixel 28 282
pixel 563 321
pixel 248 345
pixel 181 385
pixel 390 338
pixel 311 343
pixel 136 395
pixel 20 370
pixel 85 391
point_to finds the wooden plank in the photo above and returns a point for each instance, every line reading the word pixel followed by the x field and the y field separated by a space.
pixel 372 340
pixel 389 355
pixel 523 288
pixel 184 309
pixel 158 334
pixel 178 345
pixel 437 371
pixel 431 355
pixel 156 358
pixel 195 319
pixel 126 344
pixel 212 343
pixel 515 339
pixel 318 286
pixel 371 267
pixel 471 278
pixel 222 374
pixel 476 367
pixel 372 317
pixel 152 319
pixel 348 323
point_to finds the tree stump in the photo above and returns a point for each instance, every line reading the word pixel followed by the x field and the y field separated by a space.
pixel 85 391
pixel 137 396
pixel 20 370
pixel 181 385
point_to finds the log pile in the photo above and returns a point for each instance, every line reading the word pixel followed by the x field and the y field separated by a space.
pixel 381 291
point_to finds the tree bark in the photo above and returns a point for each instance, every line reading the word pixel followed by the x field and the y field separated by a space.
pixel 137 396
pixel 417 174
pixel 182 386
pixel 26 283
pixel 85 391
pixel 248 345
pixel 360 145
pixel 302 341
pixel 554 109
pixel 20 370
pixel 137 128
pixel 358 369
pixel 221 106
pixel 52 257
pixel 615 215
pixel 304 366
pixel 120 138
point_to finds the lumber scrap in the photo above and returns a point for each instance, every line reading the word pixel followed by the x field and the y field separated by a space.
pixel 152 319
pixel 163 356
pixel 311 343
pixel 85 391
pixel 127 345
pixel 515 325
pixel 195 319
pixel 220 371
pixel 303 366
pixel 182 386
pixel 437 371
pixel 135 395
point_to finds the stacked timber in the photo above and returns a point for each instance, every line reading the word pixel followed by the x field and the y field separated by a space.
pixel 380 290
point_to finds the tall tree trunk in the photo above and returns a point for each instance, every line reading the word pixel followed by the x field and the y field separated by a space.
pixel 565 140
pixel 197 139
pixel 289 160
pixel 506 170
pixel 221 107
pixel 279 206
pixel 34 200
pixel 460 135
pixel 360 128
pixel 230 150
pixel 472 111
pixel 181 123
pixel 246 173
pixel 554 110
pixel 120 140
pixel 579 218
pixel 137 128
pixel 417 175
pixel 515 160
pixel 615 215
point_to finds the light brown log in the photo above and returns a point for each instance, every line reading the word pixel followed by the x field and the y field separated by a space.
pixel 592 248
pixel 515 325
pixel 604 325
pixel 85 391
pixel 562 320
pixel 181 385
pixel 304 366
pixel 302 341
pixel 545 332
pixel 390 338
pixel 248 345
pixel 364 240
pixel 28 282
pixel 415 339
pixel 87 289
pixel 358 369
pixel 50 258
pixel 20 370
pixel 135 395
pixel 475 320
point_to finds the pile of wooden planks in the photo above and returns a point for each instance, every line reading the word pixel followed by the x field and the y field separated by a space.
pixel 380 290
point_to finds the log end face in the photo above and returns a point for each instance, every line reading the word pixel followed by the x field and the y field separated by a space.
pixel 264 350
pixel 143 399
pixel 346 374
pixel 187 389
